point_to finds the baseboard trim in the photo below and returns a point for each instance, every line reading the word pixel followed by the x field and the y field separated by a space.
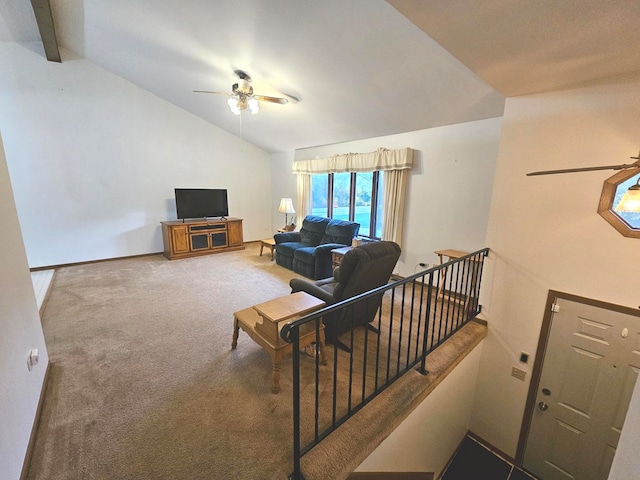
pixel 481 321
pixel 495 450
pixel 87 262
pixel 46 295
pixel 36 424
pixel 73 264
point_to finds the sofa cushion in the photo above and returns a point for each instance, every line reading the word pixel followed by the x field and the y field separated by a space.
pixel 340 231
pixel 313 229
pixel 304 262
pixel 305 254
pixel 313 262
pixel 288 249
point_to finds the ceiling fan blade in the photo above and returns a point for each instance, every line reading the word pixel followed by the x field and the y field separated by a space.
pixel 264 98
pixel 587 169
pixel 293 98
pixel 215 93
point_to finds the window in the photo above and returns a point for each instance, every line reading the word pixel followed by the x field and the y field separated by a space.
pixel 627 223
pixel 321 186
pixel 356 197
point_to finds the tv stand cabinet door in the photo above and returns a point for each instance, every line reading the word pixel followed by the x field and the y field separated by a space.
pixel 235 237
pixel 179 239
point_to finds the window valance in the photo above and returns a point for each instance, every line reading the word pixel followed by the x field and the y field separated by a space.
pixel 381 159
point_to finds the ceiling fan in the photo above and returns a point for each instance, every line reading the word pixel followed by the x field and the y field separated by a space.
pixel 589 169
pixel 242 95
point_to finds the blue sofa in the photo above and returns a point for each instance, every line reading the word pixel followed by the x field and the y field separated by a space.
pixel 308 252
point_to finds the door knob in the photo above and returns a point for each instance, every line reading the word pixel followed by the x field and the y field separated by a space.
pixel 543 406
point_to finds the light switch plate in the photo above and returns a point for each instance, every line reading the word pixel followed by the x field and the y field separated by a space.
pixel 519 374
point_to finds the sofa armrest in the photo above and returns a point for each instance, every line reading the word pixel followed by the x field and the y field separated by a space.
pixel 327 247
pixel 287 237
pixel 312 288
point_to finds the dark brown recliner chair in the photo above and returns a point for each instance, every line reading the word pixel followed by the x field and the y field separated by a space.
pixel 362 269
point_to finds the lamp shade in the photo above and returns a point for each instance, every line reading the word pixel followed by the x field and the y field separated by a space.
pixel 630 200
pixel 253 105
pixel 286 206
pixel 234 105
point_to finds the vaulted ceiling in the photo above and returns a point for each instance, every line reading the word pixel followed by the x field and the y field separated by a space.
pixel 359 68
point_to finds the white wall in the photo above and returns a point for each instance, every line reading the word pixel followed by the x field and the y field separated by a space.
pixel 426 439
pixel 545 233
pixel 20 331
pixel 94 160
pixel 283 184
pixel 449 190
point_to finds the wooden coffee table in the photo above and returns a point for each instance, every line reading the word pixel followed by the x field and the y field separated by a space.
pixel 264 322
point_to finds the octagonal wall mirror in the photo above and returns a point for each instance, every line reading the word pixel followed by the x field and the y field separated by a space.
pixel 627 223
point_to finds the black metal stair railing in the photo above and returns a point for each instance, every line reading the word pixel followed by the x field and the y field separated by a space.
pixel 415 315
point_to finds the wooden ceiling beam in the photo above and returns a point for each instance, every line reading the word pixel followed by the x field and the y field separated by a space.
pixel 44 17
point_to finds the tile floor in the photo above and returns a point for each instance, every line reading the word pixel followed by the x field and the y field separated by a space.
pixel 474 461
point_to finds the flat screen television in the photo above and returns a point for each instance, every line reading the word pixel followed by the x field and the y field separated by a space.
pixel 201 202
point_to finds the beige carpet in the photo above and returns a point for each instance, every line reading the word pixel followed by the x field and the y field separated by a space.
pixel 144 384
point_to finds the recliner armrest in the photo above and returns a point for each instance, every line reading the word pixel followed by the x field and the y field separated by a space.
pixel 287 237
pixel 327 247
pixel 312 288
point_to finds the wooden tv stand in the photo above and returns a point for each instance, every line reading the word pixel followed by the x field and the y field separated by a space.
pixel 191 238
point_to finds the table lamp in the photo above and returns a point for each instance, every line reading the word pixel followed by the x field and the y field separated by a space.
pixel 286 207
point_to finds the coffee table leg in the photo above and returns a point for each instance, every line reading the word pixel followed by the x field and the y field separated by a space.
pixel 236 328
pixel 275 376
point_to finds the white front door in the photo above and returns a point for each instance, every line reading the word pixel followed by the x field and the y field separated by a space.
pixel 590 367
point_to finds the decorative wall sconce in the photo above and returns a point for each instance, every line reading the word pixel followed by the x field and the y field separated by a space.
pixel 620 202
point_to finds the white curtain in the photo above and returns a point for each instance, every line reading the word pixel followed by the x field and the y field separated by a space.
pixel 304 196
pixel 396 165
pixel 395 187
pixel 381 159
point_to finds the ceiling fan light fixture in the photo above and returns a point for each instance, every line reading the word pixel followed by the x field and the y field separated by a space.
pixel 242 96
pixel 234 105
pixel 630 201
pixel 253 105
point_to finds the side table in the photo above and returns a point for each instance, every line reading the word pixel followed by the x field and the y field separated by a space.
pixel 270 243
pixel 264 322
pixel 337 254
pixel 451 254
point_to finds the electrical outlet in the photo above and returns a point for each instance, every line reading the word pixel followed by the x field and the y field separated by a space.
pixel 517 373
